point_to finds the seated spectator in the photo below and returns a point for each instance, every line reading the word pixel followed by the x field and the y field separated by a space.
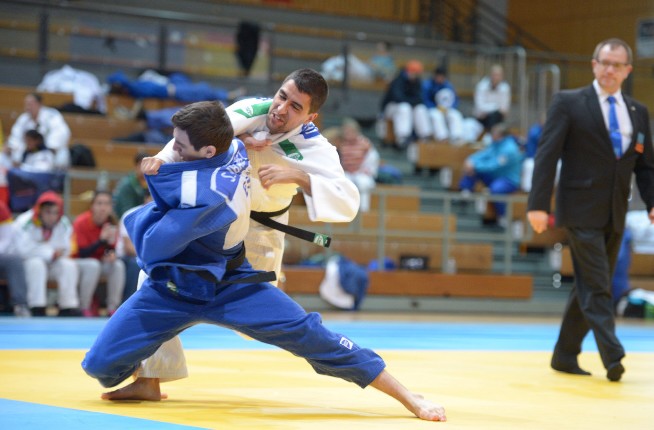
pixel 403 104
pixel 333 69
pixel 439 96
pixel 382 63
pixel 177 86
pixel 125 251
pixel 359 158
pixel 497 166
pixel 43 237
pixel 381 66
pixel 95 236
pixel 131 189
pixel 37 157
pixel 531 144
pixel 47 121
pixel 492 98
pixel 11 265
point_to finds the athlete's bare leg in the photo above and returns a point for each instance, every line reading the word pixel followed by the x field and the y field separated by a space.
pixel 418 405
pixel 140 389
pixel 149 389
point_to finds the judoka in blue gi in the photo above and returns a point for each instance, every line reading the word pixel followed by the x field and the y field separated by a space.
pixel 190 243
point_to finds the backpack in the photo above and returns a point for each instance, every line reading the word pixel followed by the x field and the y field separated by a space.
pixel 81 155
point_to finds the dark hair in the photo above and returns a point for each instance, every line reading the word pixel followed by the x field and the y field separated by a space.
pixel 310 82
pixel 37 97
pixel 100 192
pixel 139 157
pixel 34 134
pixel 613 43
pixel 440 70
pixel 206 123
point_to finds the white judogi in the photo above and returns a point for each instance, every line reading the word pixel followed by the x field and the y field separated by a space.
pixel 37 250
pixel 51 124
pixel 334 198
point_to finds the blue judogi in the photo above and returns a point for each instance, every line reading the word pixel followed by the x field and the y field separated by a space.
pixel 185 240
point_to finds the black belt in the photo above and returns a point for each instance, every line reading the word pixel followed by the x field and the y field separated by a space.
pixel 234 264
pixel 265 218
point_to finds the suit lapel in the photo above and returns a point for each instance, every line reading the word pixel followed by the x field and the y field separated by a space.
pixel 592 103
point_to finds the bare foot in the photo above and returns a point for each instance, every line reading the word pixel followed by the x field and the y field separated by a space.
pixel 141 389
pixel 426 410
pixel 421 407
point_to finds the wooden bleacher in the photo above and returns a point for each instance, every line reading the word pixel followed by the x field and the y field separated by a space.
pixel 420 284
pixel 641 270
pixel 438 155
pixel 408 232
pixel 117 156
pixel 13 97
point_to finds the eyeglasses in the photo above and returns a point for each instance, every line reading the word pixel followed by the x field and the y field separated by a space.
pixel 616 66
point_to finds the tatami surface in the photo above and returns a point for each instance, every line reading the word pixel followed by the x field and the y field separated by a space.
pixel 489 373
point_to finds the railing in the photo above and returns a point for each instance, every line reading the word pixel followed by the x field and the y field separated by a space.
pixel 508 238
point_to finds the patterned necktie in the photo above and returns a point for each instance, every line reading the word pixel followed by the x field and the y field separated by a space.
pixel 614 128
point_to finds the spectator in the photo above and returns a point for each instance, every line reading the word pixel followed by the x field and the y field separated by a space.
pixel 492 98
pixel 11 265
pixel 403 104
pixel 47 121
pixel 382 63
pixel 498 166
pixel 131 189
pixel 359 158
pixel 439 96
pixel 43 237
pixel 125 251
pixel 531 144
pixel 95 236
pixel 37 157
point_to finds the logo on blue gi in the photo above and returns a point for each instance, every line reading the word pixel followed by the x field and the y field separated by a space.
pixel 346 343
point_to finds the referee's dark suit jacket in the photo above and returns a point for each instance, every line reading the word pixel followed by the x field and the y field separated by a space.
pixel 593 187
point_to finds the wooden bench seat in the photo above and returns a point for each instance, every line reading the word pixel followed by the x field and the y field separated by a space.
pixel 100 127
pixel 436 155
pixel 395 197
pixel 642 265
pixel 83 126
pixel 469 257
pixel 299 280
pixel 117 156
pixel 13 97
pixel 393 220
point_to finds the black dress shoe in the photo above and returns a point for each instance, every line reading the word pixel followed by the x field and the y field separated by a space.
pixel 70 312
pixel 571 368
pixel 38 311
pixel 614 372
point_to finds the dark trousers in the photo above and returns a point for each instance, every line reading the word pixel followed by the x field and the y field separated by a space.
pixel 590 305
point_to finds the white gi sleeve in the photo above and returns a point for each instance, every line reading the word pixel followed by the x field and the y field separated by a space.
pixel 334 198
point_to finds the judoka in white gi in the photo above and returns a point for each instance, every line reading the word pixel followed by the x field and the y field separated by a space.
pixel 286 151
